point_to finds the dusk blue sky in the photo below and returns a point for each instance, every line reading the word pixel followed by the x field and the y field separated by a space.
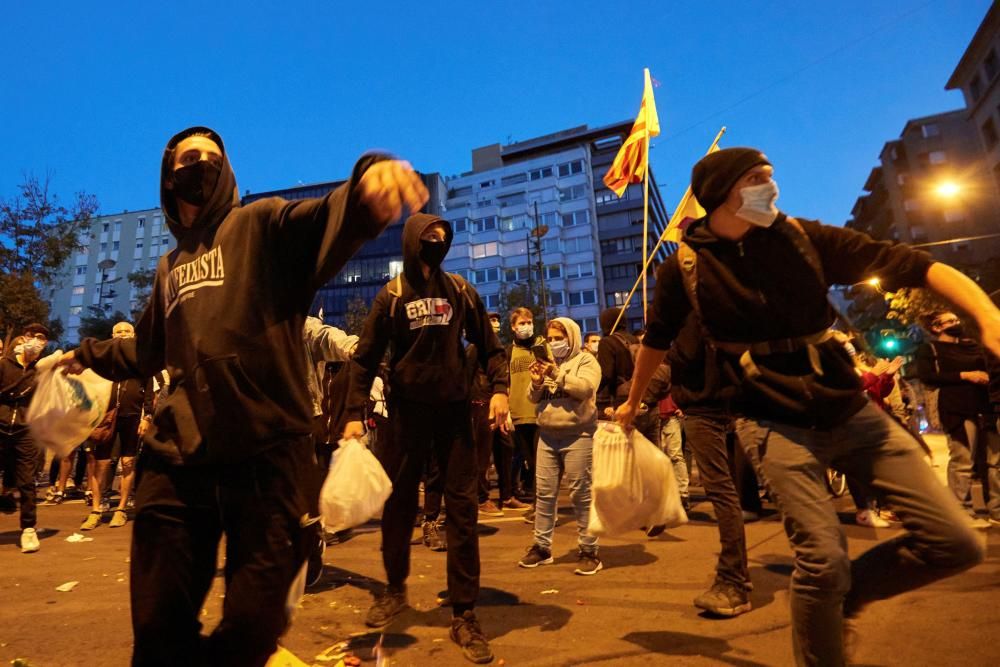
pixel 91 91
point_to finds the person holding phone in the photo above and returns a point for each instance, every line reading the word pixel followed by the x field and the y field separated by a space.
pixel 564 385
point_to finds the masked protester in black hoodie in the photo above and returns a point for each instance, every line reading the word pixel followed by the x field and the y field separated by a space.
pixel 759 280
pixel 230 450
pixel 420 317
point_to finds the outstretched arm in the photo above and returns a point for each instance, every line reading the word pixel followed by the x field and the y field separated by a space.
pixel 967 295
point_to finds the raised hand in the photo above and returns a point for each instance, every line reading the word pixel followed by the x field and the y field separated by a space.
pixel 387 186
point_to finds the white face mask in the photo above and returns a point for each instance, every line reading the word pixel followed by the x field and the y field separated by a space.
pixel 850 349
pixel 560 348
pixel 33 346
pixel 593 345
pixel 524 331
pixel 758 204
pixel 19 350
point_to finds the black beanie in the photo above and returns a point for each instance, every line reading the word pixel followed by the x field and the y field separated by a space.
pixel 715 174
pixel 608 318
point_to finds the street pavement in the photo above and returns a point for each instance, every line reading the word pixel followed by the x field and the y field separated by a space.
pixel 637 611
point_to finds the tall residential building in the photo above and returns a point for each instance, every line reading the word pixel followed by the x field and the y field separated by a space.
pixel 592 251
pixel 97 274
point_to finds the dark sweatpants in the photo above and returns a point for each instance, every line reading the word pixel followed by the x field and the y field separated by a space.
pixel 418 430
pixel 489 441
pixel 18 454
pixel 182 512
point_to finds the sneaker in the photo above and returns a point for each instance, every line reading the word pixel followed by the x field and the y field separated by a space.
pixel 515 504
pixel 724 599
pixel 465 632
pixel 750 517
pixel 871 519
pixel 434 539
pixel 29 541
pixel 58 497
pixel 489 508
pixel 92 521
pixel 387 606
pixel 655 531
pixel 119 519
pixel 587 563
pixel 529 516
pixel 890 516
pixel 49 494
pixel 535 556
pixel 980 523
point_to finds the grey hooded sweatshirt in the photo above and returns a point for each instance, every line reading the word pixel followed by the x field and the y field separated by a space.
pixel 567 405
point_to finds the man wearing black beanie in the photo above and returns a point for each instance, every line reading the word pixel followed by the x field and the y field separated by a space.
pixel 756 281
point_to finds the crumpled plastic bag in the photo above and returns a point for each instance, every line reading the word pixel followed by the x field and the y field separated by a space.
pixel 355 489
pixel 65 408
pixel 632 484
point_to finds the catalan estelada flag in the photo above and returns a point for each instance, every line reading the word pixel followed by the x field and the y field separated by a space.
pixel 631 162
pixel 688 210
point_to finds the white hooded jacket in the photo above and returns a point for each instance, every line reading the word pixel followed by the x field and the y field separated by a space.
pixel 566 405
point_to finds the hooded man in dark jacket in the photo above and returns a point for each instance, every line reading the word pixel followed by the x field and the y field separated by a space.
pixel 420 317
pixel 758 282
pixel 230 449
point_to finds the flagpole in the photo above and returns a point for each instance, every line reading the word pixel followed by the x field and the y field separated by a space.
pixel 645 226
pixel 662 239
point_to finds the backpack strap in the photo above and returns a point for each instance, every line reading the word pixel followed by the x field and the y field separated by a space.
pixel 687 259
pixel 461 285
pixel 395 288
pixel 795 233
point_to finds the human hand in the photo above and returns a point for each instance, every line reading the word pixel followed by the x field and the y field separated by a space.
pixel 625 414
pixel 881 367
pixel 387 186
pixel 354 430
pixel 499 411
pixel 537 370
pixel 975 377
pixel 71 364
pixel 895 365
pixel 144 425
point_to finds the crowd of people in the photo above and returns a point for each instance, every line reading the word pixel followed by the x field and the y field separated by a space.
pixel 228 402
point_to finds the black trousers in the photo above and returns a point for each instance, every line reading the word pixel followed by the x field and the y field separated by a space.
pixel 706 435
pixel 182 512
pixel 19 456
pixel 744 476
pixel 492 442
pixel 420 430
pixel 525 438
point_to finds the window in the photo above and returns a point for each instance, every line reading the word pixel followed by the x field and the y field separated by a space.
pixel 616 298
pixel 990 134
pixel 75 310
pixel 105 226
pixel 512 199
pixel 570 168
pixel 152 263
pixel 605 197
pixel 395 267
pixel 515 248
pixel 486 184
pixel 575 192
pixel 512 222
pixel 483 203
pixel 579 244
pixel 514 179
pixel 164 241
pixel 954 215
pixel 550 219
pixel 539 174
pixel 104 247
pixel 901 179
pixel 460 192
pixel 81 270
pixel 460 225
pixel 487 224
pixel 614 246
pixel 481 276
pixel 930 130
pixel 990 65
pixel 911 205
pixel 114 246
pixel 976 88
pixel 118 225
pixel 481 250
pixel 589 325
pixel 576 218
pixel 621 271
pixel 518 275
pixel 492 301
pixel 586 297
pixel 557 298
pixel 551 245
pixel 581 270
pixel 78 290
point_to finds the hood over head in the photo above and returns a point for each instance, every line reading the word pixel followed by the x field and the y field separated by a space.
pixel 414 226
pixel 608 317
pixel 224 198
pixel 574 337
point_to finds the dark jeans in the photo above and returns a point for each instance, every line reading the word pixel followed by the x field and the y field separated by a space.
pixel 525 438
pixel 490 441
pixel 19 455
pixel 261 506
pixel 419 432
pixel 742 471
pixel 706 436
pixel 827 585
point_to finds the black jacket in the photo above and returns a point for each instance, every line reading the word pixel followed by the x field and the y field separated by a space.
pixel 616 367
pixel 17 386
pixel 941 364
pixel 226 315
pixel 423 330
pixel 763 288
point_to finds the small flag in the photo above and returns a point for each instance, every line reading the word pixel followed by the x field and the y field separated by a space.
pixel 631 162
pixel 688 210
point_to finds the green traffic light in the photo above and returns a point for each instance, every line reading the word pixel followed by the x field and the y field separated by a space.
pixel 889 343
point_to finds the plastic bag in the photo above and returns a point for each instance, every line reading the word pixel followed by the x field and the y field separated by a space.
pixel 65 408
pixel 355 489
pixel 633 484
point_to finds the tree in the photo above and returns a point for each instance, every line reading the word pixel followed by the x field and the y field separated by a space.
pixel 37 236
pixel 98 324
pixel 910 305
pixel 354 318
pixel 142 281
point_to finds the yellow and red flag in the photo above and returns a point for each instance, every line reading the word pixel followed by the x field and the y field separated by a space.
pixel 631 162
pixel 688 209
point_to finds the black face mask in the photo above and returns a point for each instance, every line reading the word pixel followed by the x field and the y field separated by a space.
pixel 196 182
pixel 955 331
pixel 432 252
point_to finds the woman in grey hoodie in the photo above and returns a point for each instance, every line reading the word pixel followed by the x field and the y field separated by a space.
pixel 565 394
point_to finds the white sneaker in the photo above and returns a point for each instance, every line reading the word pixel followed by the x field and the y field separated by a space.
pixel 871 519
pixel 979 523
pixel 29 541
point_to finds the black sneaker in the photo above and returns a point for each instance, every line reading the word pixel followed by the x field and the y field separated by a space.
pixel 434 539
pixel 587 563
pixel 465 632
pixel 387 606
pixel 535 556
pixel 724 599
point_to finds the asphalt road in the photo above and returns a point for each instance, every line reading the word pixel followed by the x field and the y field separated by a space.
pixel 637 611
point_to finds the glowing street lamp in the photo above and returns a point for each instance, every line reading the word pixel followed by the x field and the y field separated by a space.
pixel 947 189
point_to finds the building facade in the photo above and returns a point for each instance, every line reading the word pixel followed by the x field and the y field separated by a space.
pixel 590 250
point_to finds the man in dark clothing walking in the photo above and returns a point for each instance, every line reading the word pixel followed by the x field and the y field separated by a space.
pixel 420 316
pixel 614 354
pixel 758 281
pixel 230 451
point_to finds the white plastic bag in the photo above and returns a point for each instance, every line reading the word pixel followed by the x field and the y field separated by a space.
pixel 355 489
pixel 633 484
pixel 65 408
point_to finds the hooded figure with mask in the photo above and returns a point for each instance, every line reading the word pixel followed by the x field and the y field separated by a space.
pixel 420 318
pixel 757 282
pixel 957 366
pixel 565 394
pixel 18 453
pixel 230 449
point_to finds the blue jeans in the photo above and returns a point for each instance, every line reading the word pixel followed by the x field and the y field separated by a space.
pixel 827 585
pixel 555 456
pixel 671 442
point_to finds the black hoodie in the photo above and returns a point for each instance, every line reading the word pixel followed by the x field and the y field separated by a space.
pixel 226 315
pixel 424 333
pixel 762 288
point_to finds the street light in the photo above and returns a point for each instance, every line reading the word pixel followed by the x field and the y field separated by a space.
pixel 105 265
pixel 947 189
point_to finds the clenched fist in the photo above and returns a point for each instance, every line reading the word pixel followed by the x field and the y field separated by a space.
pixel 387 186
